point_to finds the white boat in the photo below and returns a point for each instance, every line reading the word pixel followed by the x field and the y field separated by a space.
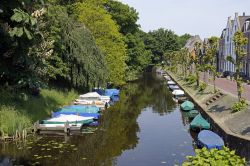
pixel 97 103
pixel 91 97
pixel 64 122
pixel 178 93
pixel 171 83
pixel 167 78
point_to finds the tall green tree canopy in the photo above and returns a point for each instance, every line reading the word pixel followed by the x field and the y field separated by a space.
pixel 161 41
pixel 137 56
pixel 75 45
pixel 125 16
pixel 107 37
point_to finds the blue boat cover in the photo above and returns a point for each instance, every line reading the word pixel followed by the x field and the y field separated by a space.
pixel 80 109
pixel 99 91
pixel 96 116
pixel 112 92
pixel 209 139
pixel 95 123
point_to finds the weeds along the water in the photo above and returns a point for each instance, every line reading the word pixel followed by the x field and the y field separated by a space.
pixel 11 121
pixel 19 110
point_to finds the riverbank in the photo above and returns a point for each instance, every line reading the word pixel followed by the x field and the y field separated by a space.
pixel 233 127
pixel 18 111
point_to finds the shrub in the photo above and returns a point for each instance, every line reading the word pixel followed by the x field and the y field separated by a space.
pixel 214 157
pixel 191 79
pixel 239 106
pixel 202 87
pixel 12 121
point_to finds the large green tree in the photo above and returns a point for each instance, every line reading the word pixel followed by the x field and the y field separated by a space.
pixel 107 36
pixel 161 41
pixel 137 56
pixel 76 47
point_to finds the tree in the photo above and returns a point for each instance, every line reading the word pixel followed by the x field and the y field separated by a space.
pixel 196 60
pixel 210 57
pixel 76 47
pixel 106 35
pixel 124 15
pixel 137 56
pixel 183 39
pixel 161 41
pixel 240 52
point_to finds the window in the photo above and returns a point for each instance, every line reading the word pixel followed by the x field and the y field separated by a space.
pixel 246 25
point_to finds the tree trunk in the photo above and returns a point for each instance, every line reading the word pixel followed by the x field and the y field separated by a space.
pixel 214 82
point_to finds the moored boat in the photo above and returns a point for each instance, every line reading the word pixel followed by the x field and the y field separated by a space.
pixel 210 140
pixel 81 110
pixel 94 96
pixel 64 123
pixel 174 87
pixel 178 93
pixel 187 106
pixel 171 83
pixel 192 114
pixel 199 123
pixel 167 77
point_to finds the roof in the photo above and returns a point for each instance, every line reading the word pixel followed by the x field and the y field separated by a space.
pixel 191 42
pixel 242 20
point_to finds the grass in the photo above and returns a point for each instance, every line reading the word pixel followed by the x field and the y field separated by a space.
pixel 19 111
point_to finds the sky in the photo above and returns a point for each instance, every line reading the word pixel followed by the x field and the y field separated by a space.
pixel 196 17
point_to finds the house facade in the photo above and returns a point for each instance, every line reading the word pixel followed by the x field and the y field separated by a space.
pixel 226 45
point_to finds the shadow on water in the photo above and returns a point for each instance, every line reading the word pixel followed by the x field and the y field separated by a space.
pixel 145 128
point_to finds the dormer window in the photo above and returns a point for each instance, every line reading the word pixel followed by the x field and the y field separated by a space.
pixel 246 25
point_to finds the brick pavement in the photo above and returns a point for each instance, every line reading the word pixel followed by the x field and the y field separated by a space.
pixel 230 86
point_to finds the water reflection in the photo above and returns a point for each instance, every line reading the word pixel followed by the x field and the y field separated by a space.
pixel 120 131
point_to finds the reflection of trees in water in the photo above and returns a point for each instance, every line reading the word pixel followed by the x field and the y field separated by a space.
pixel 118 130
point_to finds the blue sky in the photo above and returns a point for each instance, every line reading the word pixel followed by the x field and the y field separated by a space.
pixel 202 17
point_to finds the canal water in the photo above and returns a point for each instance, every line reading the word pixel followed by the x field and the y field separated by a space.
pixel 145 128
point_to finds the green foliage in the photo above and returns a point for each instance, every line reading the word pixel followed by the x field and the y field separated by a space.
pixel 137 55
pixel 214 157
pixel 191 79
pixel 124 15
pixel 239 106
pixel 106 35
pixel 202 87
pixel 183 39
pixel 12 121
pixel 240 51
pixel 75 46
pixel 161 41
pixel 19 110
pixel 25 26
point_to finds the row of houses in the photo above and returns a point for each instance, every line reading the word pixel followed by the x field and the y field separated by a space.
pixel 226 44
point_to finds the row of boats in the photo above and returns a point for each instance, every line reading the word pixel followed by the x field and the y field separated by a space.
pixel 206 138
pixel 85 111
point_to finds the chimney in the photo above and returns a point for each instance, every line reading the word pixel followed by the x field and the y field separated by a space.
pixel 236 15
pixel 244 14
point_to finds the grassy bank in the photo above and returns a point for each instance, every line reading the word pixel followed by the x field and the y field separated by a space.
pixel 19 111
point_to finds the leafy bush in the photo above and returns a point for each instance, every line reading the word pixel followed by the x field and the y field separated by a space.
pixel 202 87
pixel 12 121
pixel 191 79
pixel 239 106
pixel 214 157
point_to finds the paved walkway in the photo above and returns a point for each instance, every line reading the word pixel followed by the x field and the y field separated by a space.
pixel 230 87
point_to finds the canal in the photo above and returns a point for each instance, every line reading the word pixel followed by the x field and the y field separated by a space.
pixel 144 128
